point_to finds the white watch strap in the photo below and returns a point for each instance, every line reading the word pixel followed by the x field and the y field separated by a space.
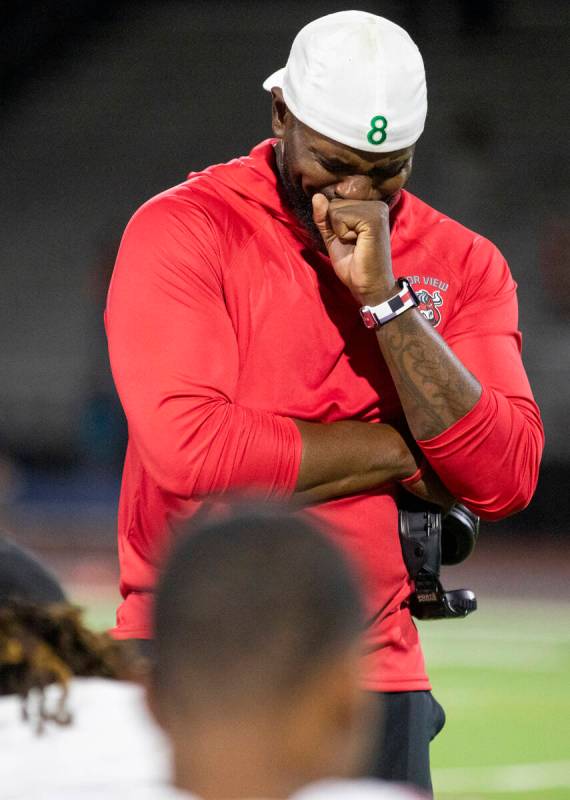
pixel 375 316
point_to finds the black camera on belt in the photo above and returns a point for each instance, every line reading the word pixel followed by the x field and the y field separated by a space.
pixel 430 538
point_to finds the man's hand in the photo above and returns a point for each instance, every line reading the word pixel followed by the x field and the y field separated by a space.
pixel 431 489
pixel 428 486
pixel 356 234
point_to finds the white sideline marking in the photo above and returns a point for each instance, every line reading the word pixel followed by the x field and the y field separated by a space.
pixel 488 660
pixel 496 636
pixel 504 778
pixel 525 657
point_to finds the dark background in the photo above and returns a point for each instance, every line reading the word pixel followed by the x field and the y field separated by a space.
pixel 107 103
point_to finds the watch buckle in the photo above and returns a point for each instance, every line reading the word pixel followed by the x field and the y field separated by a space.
pixel 368 317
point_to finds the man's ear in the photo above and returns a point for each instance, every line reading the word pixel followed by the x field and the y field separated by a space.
pixel 279 112
pixel 351 715
pixel 327 729
pixel 153 702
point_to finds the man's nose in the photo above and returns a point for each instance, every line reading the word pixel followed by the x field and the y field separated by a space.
pixel 356 187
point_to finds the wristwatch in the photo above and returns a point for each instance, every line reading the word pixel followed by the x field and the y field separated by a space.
pixel 376 316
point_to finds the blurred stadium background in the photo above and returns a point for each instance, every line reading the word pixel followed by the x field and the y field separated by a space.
pixel 106 102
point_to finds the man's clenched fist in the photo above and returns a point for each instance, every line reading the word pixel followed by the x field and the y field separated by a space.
pixel 356 234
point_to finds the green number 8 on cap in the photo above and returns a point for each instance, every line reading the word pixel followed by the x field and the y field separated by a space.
pixel 377 133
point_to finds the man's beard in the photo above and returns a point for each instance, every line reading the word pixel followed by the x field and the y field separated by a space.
pixel 300 204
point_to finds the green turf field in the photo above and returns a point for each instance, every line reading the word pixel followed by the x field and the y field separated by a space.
pixel 503 678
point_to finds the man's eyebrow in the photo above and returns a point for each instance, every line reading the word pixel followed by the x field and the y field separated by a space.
pixel 390 166
pixel 339 162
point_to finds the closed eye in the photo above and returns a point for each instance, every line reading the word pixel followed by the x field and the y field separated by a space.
pixel 384 173
pixel 336 167
pixel 387 172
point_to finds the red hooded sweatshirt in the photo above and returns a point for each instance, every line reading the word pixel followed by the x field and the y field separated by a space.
pixel 224 325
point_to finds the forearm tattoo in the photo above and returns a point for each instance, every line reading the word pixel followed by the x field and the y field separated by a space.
pixel 434 387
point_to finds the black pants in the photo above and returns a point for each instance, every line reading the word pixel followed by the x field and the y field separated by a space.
pixel 409 721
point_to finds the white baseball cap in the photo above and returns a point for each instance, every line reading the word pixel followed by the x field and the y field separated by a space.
pixel 358 79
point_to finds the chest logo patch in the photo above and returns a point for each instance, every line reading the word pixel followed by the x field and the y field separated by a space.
pixel 429 305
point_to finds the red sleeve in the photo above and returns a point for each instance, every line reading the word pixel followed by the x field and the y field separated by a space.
pixel 490 458
pixel 174 359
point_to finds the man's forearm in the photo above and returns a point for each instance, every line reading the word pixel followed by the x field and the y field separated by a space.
pixel 434 387
pixel 344 458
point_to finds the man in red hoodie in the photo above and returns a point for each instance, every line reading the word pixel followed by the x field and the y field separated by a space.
pixel 294 323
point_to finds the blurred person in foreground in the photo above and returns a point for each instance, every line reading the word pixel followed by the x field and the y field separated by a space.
pixel 296 323
pixel 255 679
pixel 256 672
pixel 73 721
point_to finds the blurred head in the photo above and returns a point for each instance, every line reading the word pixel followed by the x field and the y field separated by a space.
pixel 43 639
pixel 23 578
pixel 258 626
pixel 348 108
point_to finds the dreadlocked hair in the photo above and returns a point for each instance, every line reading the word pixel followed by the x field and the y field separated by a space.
pixel 45 645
